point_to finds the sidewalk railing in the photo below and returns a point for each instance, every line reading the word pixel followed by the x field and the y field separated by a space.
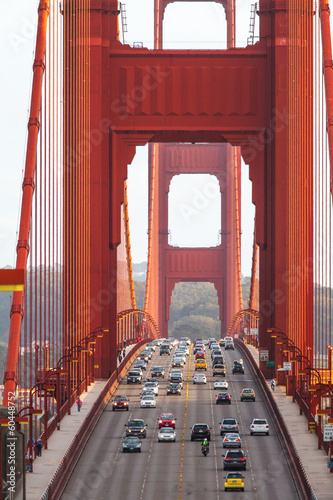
pixel 302 483
pixel 72 455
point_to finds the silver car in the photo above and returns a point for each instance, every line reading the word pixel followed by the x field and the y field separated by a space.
pixel 228 425
pixel 232 440
pixel 167 434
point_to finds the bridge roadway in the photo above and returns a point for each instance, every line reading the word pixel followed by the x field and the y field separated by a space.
pixel 103 471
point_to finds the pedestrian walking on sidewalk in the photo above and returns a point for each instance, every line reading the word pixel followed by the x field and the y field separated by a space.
pixel 39 448
pixel 124 353
pixel 125 344
pixel 78 404
pixel 119 357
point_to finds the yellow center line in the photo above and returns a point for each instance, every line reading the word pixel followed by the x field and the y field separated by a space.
pixel 184 428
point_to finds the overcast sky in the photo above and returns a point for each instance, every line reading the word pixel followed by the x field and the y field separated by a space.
pixel 193 25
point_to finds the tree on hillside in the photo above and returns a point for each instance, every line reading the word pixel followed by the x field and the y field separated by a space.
pixel 196 327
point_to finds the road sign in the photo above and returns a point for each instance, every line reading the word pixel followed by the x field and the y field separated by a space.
pixel 270 364
pixel 254 331
pixel 328 432
pixel 330 465
pixel 287 365
pixel 264 355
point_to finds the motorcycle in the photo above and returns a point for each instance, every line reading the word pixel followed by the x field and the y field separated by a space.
pixel 205 450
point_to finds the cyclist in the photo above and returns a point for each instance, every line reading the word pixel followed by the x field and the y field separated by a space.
pixel 272 384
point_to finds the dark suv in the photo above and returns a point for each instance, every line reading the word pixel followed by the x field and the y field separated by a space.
pixel 200 431
pixel 157 371
pixel 134 377
pixel 136 427
pixel 218 360
pixel 234 459
pixel 120 403
pixel 238 368
pixel 164 349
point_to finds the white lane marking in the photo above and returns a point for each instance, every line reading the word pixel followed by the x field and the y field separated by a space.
pixel 215 451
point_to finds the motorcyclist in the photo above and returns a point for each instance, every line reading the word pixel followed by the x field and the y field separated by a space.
pixel 205 444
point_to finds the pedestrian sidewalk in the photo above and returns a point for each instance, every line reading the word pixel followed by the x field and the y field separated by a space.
pixel 45 466
pixel 306 443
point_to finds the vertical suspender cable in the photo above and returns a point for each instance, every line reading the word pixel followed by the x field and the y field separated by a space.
pixel 10 377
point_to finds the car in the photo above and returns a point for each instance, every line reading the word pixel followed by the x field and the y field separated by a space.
pixel 221 384
pixel 200 431
pixel 178 361
pixel 156 342
pixel 259 426
pixel 234 459
pixel 248 394
pixel 223 398
pixel 165 349
pixel 176 371
pixel 134 377
pixel 200 355
pixel 240 361
pixel 219 370
pixel 166 434
pixel 176 378
pixel 151 346
pixel 215 352
pixel 232 440
pixel 199 378
pixel 140 363
pixel 238 368
pixel 148 402
pixel 229 345
pixel 222 343
pixel 166 420
pixel 132 444
pixel 147 392
pixel 151 385
pixel 228 425
pixel 200 364
pixel 143 357
pixel 136 427
pixel 120 403
pixel 148 352
pixel 217 360
pixel 157 371
pixel 185 339
pixel 173 389
pixel 197 348
pixel 234 481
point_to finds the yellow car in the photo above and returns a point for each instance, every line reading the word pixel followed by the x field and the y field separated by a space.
pixel 200 364
pixel 234 481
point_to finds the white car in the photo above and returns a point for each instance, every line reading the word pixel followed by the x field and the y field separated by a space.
pixel 148 402
pixel 151 385
pixel 259 426
pixel 221 384
pixel 199 378
pixel 147 392
pixel 151 346
pixel 167 434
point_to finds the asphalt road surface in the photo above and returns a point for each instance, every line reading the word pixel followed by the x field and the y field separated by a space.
pixel 179 471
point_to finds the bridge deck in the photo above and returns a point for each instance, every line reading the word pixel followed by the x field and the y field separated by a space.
pixel 314 460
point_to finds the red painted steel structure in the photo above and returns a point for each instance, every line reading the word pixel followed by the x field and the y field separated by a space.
pixel 168 265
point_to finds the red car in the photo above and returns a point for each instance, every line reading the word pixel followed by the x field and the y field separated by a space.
pixel 166 420
pixel 200 355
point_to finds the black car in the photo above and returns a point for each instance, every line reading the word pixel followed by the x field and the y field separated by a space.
pixel 120 403
pixel 136 427
pixel 157 371
pixel 223 398
pixel 218 360
pixel 165 349
pixel 176 379
pixel 132 444
pixel 200 431
pixel 238 368
pixel 134 377
pixel 174 389
pixel 234 459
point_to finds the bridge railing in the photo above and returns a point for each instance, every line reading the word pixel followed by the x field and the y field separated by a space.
pixel 72 455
